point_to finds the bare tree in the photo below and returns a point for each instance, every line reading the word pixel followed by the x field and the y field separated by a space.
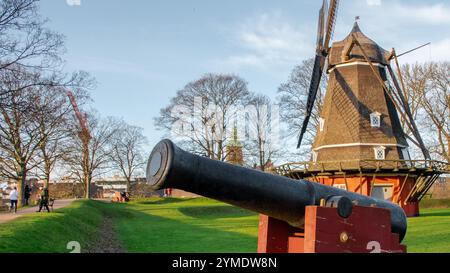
pixel 52 116
pixel 293 97
pixel 427 89
pixel 30 66
pixel 415 83
pixel 262 146
pixel 98 162
pixel 32 121
pixel 23 38
pixel 19 134
pixel 436 104
pixel 201 114
pixel 27 45
pixel 127 150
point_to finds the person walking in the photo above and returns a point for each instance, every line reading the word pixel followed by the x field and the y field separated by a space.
pixel 44 200
pixel 26 194
pixel 13 196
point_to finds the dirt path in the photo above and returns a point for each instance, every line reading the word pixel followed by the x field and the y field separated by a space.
pixel 107 242
pixel 8 216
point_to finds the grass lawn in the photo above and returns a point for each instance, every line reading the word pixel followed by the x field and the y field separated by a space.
pixel 191 225
pixel 180 225
pixel 429 233
pixel 50 232
pixel 203 225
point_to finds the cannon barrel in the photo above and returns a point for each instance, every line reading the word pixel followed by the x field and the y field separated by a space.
pixel 279 197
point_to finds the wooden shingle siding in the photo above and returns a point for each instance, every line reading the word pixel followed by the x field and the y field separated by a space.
pixel 353 94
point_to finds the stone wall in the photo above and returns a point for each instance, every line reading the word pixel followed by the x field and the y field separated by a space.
pixel 143 190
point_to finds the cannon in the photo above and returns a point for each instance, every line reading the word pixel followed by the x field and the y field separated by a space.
pixel 282 199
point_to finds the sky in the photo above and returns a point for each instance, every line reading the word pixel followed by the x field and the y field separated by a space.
pixel 142 51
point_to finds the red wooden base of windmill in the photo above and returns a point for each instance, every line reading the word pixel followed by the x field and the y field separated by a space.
pixel 401 188
pixel 367 230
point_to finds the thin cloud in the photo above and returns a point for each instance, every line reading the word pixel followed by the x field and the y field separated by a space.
pixel 267 40
pixel 374 2
pixel 436 51
pixel 434 14
pixel 404 25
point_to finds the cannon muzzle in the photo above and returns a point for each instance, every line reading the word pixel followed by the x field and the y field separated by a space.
pixel 276 196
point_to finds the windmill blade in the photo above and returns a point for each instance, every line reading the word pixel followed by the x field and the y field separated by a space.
pixel 407 109
pixel 331 20
pixel 319 64
pixel 321 27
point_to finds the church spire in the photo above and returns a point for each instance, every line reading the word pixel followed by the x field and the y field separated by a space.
pixel 234 149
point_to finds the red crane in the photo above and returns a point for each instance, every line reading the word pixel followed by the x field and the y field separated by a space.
pixel 85 137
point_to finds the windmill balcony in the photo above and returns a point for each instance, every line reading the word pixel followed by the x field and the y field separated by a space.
pixel 404 182
pixel 304 169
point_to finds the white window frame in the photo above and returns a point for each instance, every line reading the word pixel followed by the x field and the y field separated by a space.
pixel 380 150
pixel 321 124
pixel 375 120
pixel 314 156
pixel 340 186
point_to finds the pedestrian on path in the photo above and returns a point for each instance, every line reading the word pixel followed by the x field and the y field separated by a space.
pixel 43 202
pixel 13 196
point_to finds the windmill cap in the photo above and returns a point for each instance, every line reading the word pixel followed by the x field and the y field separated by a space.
pixel 374 52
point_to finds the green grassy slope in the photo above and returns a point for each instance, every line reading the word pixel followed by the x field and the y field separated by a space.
pixel 191 225
pixel 179 225
pixel 203 225
pixel 50 232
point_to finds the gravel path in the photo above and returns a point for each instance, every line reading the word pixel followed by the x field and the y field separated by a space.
pixel 107 242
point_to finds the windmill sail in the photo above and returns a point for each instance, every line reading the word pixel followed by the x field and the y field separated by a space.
pixel 407 109
pixel 321 27
pixel 331 20
pixel 319 63
pixel 322 50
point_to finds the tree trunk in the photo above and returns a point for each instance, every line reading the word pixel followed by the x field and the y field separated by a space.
pixel 19 189
pixel 21 180
pixel 447 157
pixel 86 167
pixel 128 184
pixel 47 170
pixel 88 187
pixel 47 181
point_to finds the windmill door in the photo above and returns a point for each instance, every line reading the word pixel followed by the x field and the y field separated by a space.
pixel 383 192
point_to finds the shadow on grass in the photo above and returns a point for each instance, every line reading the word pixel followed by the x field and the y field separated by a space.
pixel 215 212
pixel 53 212
pixel 164 201
pixel 445 213
pixel 148 233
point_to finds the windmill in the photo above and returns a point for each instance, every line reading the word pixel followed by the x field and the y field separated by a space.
pixel 360 144
pixel 85 137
